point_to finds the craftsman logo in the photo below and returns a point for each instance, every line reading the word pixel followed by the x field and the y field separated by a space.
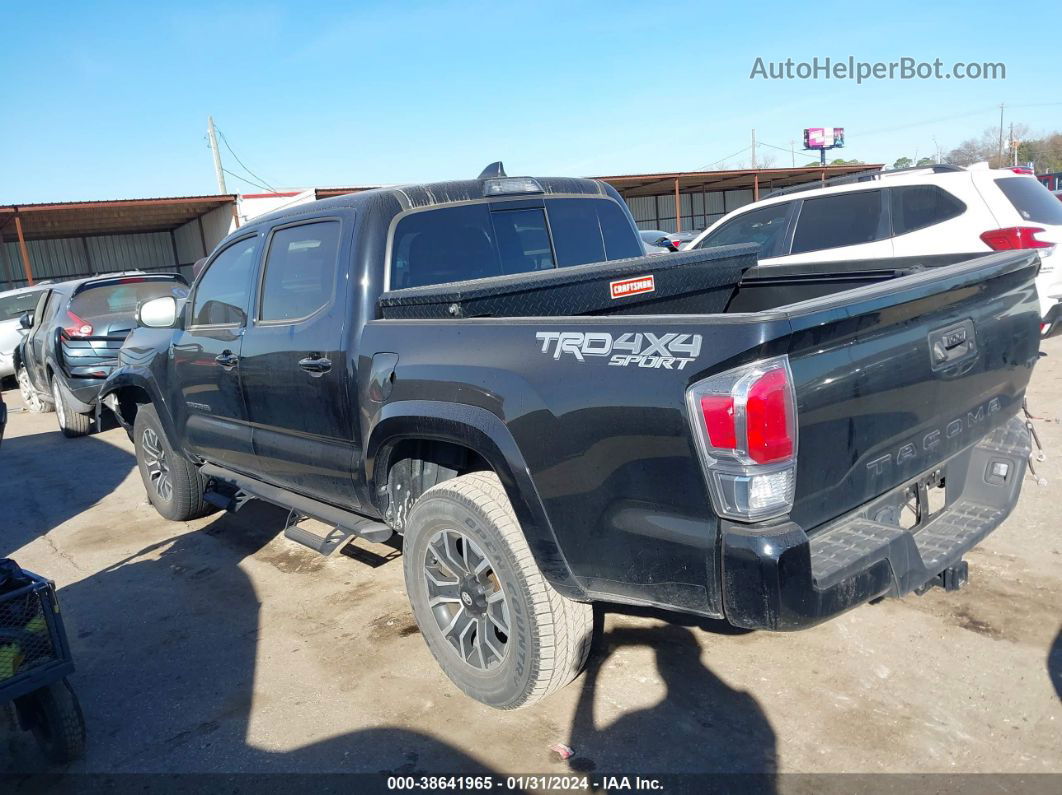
pixel 636 286
pixel 637 349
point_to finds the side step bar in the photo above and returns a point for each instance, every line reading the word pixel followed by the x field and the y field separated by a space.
pixel 346 524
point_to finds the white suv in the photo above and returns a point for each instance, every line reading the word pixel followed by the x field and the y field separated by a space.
pixel 933 215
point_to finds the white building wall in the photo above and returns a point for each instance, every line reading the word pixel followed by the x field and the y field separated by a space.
pixel 217 224
pixel 254 205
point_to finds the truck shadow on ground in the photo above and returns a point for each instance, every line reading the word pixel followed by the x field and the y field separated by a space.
pixel 166 642
pixel 47 479
pixel 700 725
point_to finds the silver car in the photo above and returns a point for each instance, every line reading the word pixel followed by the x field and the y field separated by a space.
pixel 13 304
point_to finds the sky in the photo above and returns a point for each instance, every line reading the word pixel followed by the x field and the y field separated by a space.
pixel 110 100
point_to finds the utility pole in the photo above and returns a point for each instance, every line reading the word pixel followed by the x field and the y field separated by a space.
pixel 792 153
pixel 754 149
pixel 218 171
pixel 999 157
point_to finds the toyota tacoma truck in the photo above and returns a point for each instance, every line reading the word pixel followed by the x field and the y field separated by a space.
pixel 493 372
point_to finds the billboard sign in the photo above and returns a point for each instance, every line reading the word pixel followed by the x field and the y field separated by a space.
pixel 823 137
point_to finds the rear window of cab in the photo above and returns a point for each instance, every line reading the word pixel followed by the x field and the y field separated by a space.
pixel 483 239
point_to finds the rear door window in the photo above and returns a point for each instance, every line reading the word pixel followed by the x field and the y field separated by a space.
pixel 765 226
pixel 1031 199
pixel 300 271
pixel 918 206
pixel 846 219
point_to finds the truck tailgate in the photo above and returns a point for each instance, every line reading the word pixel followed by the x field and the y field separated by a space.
pixel 906 375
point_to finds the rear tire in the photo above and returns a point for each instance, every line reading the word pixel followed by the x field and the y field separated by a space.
pixel 32 401
pixel 174 484
pixel 494 624
pixel 58 724
pixel 71 423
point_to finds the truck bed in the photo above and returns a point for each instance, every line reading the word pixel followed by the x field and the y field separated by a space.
pixel 596 404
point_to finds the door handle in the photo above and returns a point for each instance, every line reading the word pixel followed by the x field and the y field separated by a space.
pixel 227 359
pixel 316 365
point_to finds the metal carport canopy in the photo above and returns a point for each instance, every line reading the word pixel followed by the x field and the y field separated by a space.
pixel 54 220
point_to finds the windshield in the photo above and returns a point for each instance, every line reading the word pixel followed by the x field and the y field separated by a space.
pixel 1032 200
pixel 11 306
pixel 114 300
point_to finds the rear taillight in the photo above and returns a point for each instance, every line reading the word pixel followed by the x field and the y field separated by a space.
pixel 1021 170
pixel 1014 237
pixel 744 423
pixel 76 327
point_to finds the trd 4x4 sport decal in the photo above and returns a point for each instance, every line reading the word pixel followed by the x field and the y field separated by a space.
pixel 641 349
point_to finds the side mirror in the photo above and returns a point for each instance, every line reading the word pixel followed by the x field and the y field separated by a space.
pixel 158 312
pixel 26 320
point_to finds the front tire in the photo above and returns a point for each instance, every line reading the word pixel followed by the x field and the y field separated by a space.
pixel 71 423
pixel 174 484
pixel 491 620
pixel 30 398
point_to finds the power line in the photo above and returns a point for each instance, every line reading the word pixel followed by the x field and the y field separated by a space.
pixel 954 116
pixel 720 160
pixel 225 140
pixel 249 182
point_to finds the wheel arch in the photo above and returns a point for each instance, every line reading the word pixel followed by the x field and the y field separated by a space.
pixel 125 392
pixel 487 441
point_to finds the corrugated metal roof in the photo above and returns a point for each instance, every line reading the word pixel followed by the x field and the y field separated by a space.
pixel 50 220
pixel 630 185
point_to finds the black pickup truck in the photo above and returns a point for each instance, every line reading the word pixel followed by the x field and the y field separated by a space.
pixel 491 370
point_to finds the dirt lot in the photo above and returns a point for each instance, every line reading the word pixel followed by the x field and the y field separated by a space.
pixel 218 646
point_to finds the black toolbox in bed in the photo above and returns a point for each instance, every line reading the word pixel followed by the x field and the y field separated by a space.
pixel 685 282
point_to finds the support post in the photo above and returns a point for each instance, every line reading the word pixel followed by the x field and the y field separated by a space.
pixel 755 187
pixel 88 257
pixel 23 251
pixel 173 244
pixel 678 208
pixel 202 235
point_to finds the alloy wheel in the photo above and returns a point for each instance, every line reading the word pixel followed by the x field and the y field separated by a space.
pixel 29 394
pixel 467 599
pixel 60 409
pixel 155 461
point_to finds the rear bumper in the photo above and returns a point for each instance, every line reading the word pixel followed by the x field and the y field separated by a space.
pixel 780 578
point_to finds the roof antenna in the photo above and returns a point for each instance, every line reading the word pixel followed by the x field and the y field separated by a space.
pixel 495 169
